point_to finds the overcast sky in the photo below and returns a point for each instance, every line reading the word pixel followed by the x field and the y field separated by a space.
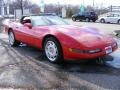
pixel 86 2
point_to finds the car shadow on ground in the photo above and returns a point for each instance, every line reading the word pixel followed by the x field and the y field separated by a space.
pixel 98 65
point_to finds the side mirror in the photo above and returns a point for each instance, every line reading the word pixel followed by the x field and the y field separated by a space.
pixel 29 25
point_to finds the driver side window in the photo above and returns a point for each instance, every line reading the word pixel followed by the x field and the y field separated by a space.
pixel 111 15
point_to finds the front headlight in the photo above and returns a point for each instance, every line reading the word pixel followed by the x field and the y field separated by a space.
pixel 94 51
pixel 84 51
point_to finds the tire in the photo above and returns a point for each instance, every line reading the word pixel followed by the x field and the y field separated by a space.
pixel 118 35
pixel 118 21
pixel 12 41
pixel 94 20
pixel 80 20
pixel 87 19
pixel 74 19
pixel 53 50
pixel 102 20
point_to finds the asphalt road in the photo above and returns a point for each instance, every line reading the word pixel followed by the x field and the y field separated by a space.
pixel 26 68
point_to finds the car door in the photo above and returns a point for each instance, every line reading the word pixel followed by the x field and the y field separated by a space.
pixel 83 17
pixel 86 15
pixel 25 34
pixel 29 36
pixel 115 18
pixel 80 16
pixel 18 31
pixel 109 18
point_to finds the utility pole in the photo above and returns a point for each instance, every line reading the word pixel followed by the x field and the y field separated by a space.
pixel 2 4
pixel 93 3
pixel 8 8
pixel 21 5
pixel 42 5
pixel 83 3
pixel 59 9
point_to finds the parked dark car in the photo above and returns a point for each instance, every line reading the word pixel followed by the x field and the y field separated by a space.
pixel 88 16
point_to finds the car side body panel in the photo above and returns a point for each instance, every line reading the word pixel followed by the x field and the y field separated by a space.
pixel 69 36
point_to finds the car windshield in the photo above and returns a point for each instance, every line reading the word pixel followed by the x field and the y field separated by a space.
pixel 47 20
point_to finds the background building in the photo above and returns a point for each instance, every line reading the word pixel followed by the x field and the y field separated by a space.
pixel 4 7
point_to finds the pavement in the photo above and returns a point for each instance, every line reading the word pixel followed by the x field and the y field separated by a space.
pixel 26 68
pixel 105 27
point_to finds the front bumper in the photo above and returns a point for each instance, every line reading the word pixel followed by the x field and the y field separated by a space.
pixel 68 55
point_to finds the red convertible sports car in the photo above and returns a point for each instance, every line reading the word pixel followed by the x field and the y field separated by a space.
pixel 60 40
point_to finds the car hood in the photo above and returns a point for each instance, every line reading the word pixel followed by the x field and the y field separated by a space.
pixel 88 36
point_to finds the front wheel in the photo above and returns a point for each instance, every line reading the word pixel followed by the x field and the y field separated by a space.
pixel 102 20
pixel 74 19
pixel 53 50
pixel 118 22
pixel 12 40
pixel 94 20
pixel 87 20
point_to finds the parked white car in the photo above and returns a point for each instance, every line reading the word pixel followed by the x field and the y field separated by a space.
pixel 112 18
pixel 1 16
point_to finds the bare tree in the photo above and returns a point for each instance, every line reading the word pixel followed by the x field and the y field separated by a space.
pixel 20 4
pixel 35 9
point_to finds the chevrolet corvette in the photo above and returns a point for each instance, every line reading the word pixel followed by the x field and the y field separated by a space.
pixel 58 39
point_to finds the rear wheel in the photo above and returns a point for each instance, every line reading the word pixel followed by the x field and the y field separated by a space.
pixel 12 40
pixel 87 19
pixel 53 50
pixel 118 35
pixel 74 19
pixel 102 20
pixel 93 20
pixel 118 22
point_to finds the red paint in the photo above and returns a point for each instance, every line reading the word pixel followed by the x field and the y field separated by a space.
pixel 69 36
